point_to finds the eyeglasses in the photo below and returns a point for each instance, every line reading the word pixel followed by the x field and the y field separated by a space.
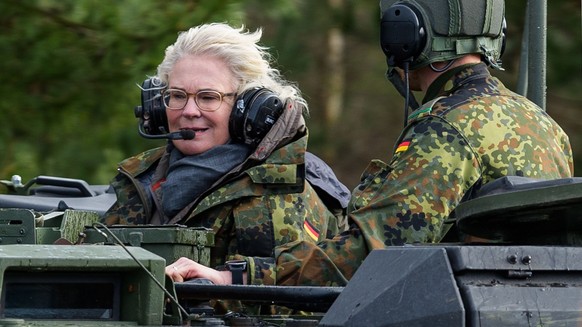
pixel 206 100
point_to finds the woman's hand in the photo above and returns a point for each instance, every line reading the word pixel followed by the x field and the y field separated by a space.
pixel 184 269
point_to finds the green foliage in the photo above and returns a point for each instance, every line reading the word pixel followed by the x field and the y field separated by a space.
pixel 73 68
pixel 565 46
pixel 70 71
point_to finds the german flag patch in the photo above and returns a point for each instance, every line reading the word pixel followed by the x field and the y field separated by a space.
pixel 402 146
pixel 311 230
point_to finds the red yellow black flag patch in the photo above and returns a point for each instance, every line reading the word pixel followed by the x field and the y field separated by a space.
pixel 311 230
pixel 402 146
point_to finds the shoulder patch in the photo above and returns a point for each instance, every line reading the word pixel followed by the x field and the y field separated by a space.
pixel 311 230
pixel 403 146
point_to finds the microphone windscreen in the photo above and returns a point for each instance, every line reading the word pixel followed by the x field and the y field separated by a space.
pixel 187 134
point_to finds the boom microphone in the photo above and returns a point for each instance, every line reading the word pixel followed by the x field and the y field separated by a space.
pixel 185 134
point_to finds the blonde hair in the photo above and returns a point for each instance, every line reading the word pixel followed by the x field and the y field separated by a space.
pixel 240 50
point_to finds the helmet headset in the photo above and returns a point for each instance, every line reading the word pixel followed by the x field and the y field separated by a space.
pixel 417 33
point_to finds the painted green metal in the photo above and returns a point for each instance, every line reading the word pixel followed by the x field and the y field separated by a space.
pixel 34 268
pixel 537 56
pixel 169 242
pixel 532 78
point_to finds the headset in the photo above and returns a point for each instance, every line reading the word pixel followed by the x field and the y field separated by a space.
pixel 402 34
pixel 406 31
pixel 254 113
pixel 402 38
pixel 407 28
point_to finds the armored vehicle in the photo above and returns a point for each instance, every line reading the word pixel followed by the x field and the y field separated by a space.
pixel 60 267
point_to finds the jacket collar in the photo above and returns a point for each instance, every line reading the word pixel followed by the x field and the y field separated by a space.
pixel 450 80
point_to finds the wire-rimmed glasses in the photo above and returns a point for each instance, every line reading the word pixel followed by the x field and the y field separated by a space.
pixel 206 100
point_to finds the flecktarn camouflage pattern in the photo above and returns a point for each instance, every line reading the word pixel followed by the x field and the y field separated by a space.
pixel 477 132
pixel 252 210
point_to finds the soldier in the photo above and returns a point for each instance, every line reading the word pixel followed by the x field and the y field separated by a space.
pixel 246 173
pixel 469 130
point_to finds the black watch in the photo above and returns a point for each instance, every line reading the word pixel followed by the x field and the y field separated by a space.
pixel 236 268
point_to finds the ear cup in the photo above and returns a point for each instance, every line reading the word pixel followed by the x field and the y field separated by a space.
pixel 254 113
pixel 402 34
pixel 152 112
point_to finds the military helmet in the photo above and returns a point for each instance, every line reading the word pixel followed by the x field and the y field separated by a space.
pixel 421 32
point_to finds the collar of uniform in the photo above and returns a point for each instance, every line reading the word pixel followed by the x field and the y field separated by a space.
pixel 142 162
pixel 284 166
pixel 449 80
pixel 283 172
pixel 259 184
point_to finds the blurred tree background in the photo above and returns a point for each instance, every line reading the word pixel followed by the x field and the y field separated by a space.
pixel 70 71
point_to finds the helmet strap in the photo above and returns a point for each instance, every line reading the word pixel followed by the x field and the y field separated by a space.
pixel 440 70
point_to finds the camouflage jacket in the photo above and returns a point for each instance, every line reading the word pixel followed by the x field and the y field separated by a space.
pixel 475 132
pixel 263 203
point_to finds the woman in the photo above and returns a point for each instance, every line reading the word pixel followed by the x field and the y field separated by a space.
pixel 249 189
